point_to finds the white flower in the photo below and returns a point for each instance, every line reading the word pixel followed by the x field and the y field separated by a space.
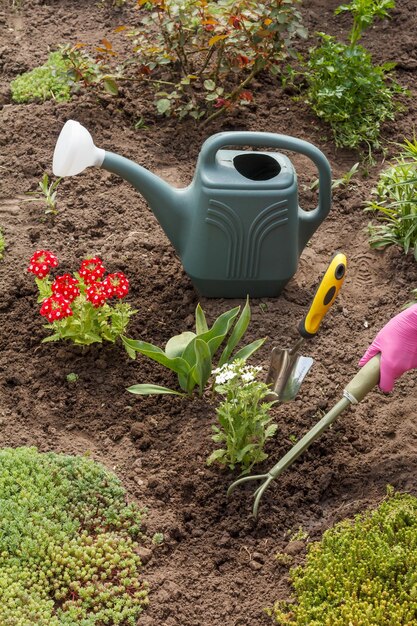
pixel 247 377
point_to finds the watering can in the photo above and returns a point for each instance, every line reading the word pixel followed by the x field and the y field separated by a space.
pixel 237 227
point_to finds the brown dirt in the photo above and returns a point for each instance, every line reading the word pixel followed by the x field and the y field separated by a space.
pixel 216 566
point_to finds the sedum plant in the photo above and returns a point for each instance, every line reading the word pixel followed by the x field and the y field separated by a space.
pixel 243 415
pixel 344 87
pixel 363 572
pixel 44 82
pixel 81 307
pixel 190 355
pixel 201 57
pixel 394 203
pixel 68 543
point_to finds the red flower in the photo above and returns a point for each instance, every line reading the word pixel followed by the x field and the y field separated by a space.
pixel 116 285
pixel 55 308
pixel 91 270
pixel 41 262
pixel 66 286
pixel 96 294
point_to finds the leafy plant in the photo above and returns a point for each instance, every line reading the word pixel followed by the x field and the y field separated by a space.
pixel 44 82
pixel 190 355
pixel 68 543
pixel 243 416
pixel 204 55
pixel 395 205
pixel 363 571
pixel 345 89
pixel 72 378
pixel 46 192
pixel 350 93
pixel 343 181
pixel 77 307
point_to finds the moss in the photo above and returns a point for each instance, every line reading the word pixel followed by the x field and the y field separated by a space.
pixel 362 573
pixel 67 543
pixel 48 81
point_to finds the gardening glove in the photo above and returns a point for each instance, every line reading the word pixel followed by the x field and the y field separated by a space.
pixel 397 343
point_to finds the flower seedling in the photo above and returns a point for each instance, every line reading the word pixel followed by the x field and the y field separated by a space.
pixel 84 308
pixel 243 414
pixel 46 192
pixel 190 355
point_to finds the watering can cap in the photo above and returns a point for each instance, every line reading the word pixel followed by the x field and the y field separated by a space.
pixel 75 150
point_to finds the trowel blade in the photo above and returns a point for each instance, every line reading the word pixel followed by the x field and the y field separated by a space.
pixel 287 371
pixel 296 377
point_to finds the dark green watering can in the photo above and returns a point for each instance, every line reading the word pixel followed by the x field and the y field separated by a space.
pixel 237 227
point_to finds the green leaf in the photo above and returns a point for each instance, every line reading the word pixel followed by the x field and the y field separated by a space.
pixel 210 85
pixel 177 364
pixel 217 455
pixel 110 86
pixel 237 333
pixel 202 369
pixel 163 105
pixel 177 344
pixel 54 337
pixel 219 330
pixel 200 320
pixel 149 389
pixel 246 352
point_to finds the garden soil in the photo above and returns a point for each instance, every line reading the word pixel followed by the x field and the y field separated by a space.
pixel 216 565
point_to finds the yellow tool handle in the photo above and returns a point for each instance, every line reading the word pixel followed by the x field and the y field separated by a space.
pixel 324 297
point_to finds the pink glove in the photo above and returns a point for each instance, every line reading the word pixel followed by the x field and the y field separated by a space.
pixel 397 343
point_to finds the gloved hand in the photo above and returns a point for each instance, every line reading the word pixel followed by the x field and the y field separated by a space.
pixel 397 343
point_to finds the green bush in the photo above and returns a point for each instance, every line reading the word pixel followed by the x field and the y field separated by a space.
pixel 43 83
pixel 362 573
pixel 351 94
pixel 67 543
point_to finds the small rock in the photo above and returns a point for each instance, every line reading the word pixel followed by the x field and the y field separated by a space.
pixel 144 554
pixel 294 547
pixel 255 565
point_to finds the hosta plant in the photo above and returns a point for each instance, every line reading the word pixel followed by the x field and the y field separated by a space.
pixel 394 202
pixel 243 415
pixel 344 87
pixel 68 543
pixel 84 308
pixel 201 56
pixel 190 355
pixel 363 572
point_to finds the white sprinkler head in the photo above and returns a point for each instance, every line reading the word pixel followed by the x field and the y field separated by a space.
pixel 75 150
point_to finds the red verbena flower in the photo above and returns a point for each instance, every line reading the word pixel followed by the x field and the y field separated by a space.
pixel 41 262
pixel 55 308
pixel 96 294
pixel 67 286
pixel 116 285
pixel 91 270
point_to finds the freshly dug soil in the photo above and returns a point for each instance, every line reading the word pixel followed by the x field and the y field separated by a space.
pixel 216 566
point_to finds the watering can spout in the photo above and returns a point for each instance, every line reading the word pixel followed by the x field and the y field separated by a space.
pixel 75 151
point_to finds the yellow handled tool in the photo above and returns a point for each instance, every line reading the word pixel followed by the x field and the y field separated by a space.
pixel 288 368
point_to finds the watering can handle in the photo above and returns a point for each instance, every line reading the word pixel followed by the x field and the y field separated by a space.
pixel 309 220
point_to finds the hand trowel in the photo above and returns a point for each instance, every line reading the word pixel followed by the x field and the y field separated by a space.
pixel 288 367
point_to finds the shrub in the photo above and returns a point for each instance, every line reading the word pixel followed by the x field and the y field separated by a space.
pixel 43 83
pixel 345 88
pixel 351 94
pixel 363 572
pixel 67 543
pixel 395 203
pixel 201 55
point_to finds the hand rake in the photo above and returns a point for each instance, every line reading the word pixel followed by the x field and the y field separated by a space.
pixel 354 392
